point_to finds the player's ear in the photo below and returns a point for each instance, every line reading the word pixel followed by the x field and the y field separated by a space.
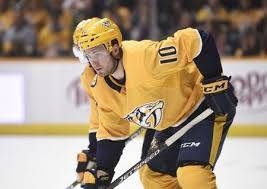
pixel 116 52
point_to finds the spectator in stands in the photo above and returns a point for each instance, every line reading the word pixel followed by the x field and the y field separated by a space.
pixel 122 16
pixel 250 44
pixel 262 29
pixel 141 21
pixel 213 17
pixel 183 20
pixel 246 15
pixel 213 11
pixel 221 40
pixel 125 21
pixel 264 45
pixel 20 38
pixel 187 19
pixel 54 38
pixel 64 16
pixel 169 12
pixel 36 14
pixel 227 20
pixel 83 9
pixel 230 5
pixel 6 19
pixel 233 40
pixel 192 5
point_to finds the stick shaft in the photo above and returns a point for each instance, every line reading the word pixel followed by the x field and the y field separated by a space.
pixel 75 183
pixel 135 134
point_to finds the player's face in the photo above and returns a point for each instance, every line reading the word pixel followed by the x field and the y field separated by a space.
pixel 100 60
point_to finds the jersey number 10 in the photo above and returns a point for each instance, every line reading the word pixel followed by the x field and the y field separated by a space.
pixel 167 55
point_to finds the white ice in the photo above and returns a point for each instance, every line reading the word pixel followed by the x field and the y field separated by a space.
pixel 49 162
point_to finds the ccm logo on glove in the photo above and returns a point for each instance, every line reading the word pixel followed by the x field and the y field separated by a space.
pixel 215 87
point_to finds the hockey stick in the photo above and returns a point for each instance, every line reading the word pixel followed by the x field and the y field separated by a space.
pixel 135 134
pixel 161 147
pixel 130 138
pixel 75 183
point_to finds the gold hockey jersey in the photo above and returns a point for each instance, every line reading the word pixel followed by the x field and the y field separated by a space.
pixel 162 81
pixel 107 103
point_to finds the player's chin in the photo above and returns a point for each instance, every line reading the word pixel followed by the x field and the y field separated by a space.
pixel 102 74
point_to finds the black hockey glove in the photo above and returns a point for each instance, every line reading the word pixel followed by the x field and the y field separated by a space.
pixel 96 179
pixel 85 161
pixel 219 94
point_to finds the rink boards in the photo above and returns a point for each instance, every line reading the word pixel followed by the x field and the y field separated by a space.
pixel 44 97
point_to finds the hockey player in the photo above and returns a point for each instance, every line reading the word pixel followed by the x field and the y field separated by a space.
pixel 107 100
pixel 166 82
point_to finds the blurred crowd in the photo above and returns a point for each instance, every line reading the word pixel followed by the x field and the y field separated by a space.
pixel 43 28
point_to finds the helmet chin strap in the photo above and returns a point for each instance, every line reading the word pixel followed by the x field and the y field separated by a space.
pixel 94 81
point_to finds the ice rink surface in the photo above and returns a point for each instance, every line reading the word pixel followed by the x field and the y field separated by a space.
pixel 49 162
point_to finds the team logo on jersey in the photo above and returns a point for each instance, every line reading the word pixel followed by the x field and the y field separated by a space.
pixel 148 115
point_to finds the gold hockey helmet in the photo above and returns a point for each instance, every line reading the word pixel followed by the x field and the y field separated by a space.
pixel 76 36
pixel 78 30
pixel 96 32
